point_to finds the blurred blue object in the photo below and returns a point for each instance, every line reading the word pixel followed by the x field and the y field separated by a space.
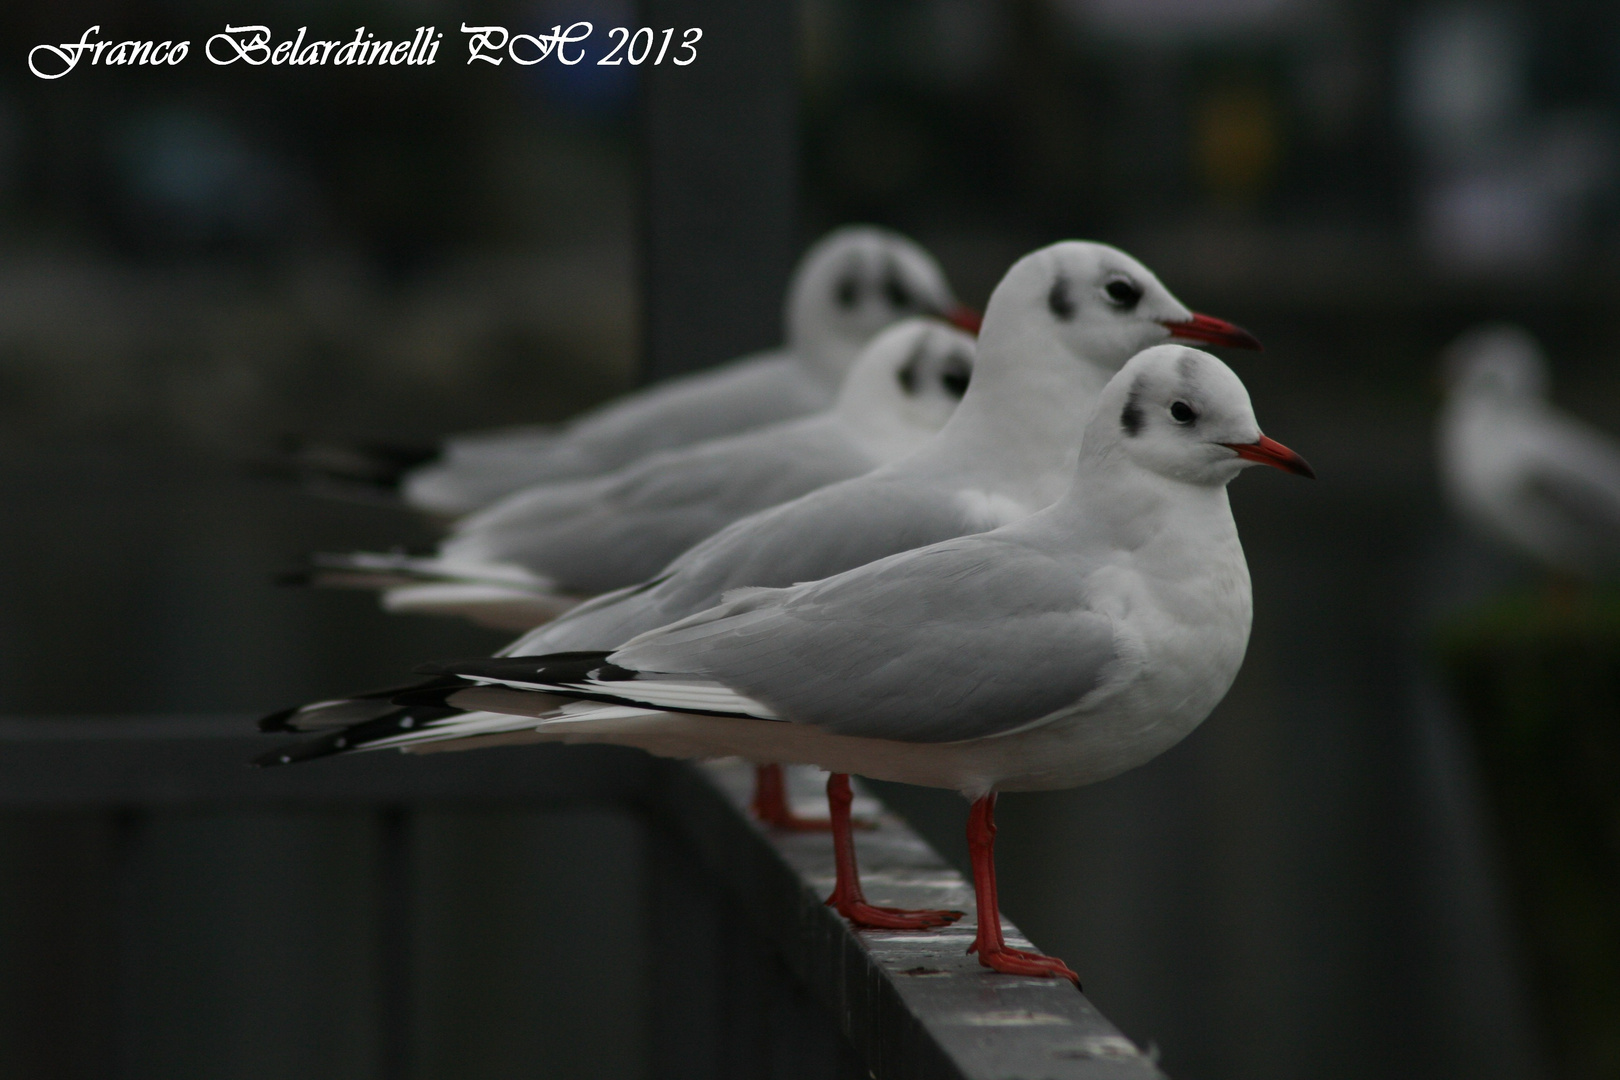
pixel 195 178
pixel 587 88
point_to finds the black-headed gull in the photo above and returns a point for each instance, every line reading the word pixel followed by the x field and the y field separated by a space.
pixel 537 553
pixel 1057 651
pixel 849 286
pixel 1521 470
pixel 1061 321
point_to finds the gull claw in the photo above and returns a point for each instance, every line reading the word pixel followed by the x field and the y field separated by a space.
pixel 872 917
pixel 1010 961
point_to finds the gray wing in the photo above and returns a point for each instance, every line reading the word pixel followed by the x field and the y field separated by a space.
pixel 737 397
pixel 831 530
pixel 1571 487
pixel 966 639
pixel 587 538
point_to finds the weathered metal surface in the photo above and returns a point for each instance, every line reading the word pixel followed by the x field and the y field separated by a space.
pixel 915 1005
pixel 753 976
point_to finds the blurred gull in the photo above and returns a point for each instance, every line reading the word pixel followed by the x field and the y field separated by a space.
pixel 1059 324
pixel 850 285
pixel 537 553
pixel 1521 470
pixel 1057 651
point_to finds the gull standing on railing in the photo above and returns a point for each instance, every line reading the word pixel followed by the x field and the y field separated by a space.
pixel 850 285
pixel 537 553
pixel 1061 321
pixel 1057 651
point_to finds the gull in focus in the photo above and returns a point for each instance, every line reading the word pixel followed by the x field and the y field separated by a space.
pixel 1060 323
pixel 1057 651
pixel 1521 470
pixel 850 285
pixel 532 555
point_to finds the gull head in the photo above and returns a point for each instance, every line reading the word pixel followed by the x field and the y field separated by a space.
pixel 856 281
pixel 1497 361
pixel 914 373
pixel 1183 414
pixel 1097 303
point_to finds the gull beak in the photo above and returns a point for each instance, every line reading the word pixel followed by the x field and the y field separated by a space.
pixel 1273 453
pixel 1208 330
pixel 964 318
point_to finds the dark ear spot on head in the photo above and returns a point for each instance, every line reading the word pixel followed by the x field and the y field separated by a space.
pixel 1060 300
pixel 958 372
pixel 896 292
pixel 848 291
pixel 1130 418
pixel 908 372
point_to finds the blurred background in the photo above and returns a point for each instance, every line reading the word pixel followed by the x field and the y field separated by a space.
pixel 195 261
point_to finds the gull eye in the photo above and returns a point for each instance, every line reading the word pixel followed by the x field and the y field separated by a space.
pixel 1182 413
pixel 848 292
pixel 896 293
pixel 956 376
pixel 1123 293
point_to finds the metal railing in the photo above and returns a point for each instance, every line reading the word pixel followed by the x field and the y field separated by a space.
pixel 748 973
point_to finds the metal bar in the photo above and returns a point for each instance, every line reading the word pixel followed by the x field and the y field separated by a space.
pixel 395 939
pixel 156 761
pixel 719 181
pixel 687 927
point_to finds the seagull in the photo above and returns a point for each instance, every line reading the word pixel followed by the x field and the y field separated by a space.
pixel 1521 470
pixel 851 284
pixel 1060 323
pixel 537 553
pixel 1057 651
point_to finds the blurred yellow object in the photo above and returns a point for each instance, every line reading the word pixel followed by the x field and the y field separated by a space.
pixel 1237 141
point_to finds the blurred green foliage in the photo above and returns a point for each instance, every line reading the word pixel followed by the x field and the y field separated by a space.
pixel 1538 677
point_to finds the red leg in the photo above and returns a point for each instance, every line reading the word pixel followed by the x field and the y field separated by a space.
pixel 847 896
pixel 770 803
pixel 994 953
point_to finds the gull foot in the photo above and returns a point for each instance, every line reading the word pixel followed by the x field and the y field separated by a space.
pixel 1010 961
pixel 871 917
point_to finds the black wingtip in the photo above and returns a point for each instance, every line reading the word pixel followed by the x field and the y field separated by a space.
pixel 356 737
pixel 326 746
pixel 433 697
pixel 279 721
pixel 565 667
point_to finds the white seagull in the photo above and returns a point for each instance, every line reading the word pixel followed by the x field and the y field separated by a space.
pixel 850 285
pixel 1061 321
pixel 1521 470
pixel 1057 651
pixel 533 555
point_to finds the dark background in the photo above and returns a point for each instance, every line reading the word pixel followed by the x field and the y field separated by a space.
pixel 197 260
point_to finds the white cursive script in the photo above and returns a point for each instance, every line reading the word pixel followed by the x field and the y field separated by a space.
pixel 251 45
pixel 68 54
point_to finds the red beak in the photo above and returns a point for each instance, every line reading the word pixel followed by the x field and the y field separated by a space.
pixel 1273 453
pixel 964 318
pixel 1208 330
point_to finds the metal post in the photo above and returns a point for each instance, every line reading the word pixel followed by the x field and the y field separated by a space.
pixel 720 178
